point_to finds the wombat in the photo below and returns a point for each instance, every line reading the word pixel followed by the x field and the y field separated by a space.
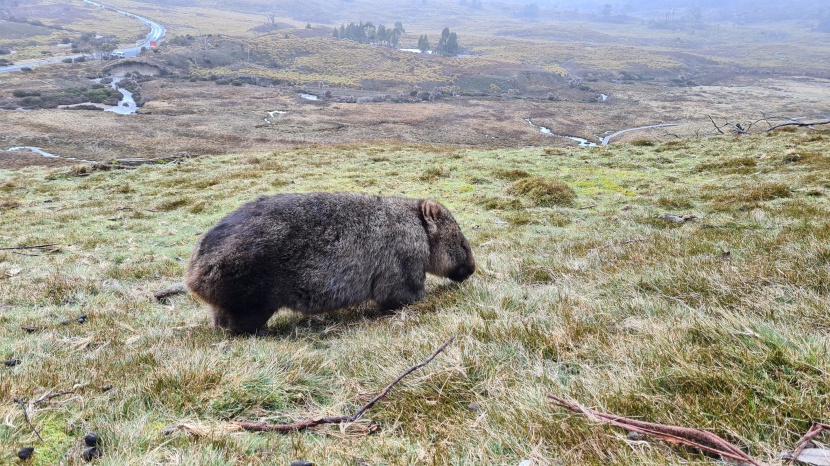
pixel 319 252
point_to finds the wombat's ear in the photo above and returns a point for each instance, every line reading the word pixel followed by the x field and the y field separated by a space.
pixel 431 212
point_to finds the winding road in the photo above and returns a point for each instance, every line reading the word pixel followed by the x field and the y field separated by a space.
pixel 157 31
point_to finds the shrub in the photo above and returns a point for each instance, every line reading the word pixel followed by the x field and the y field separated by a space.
pixel 544 192
pixel 24 93
pixel 511 175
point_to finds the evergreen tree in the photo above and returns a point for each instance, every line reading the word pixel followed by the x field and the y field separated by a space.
pixel 452 44
pixel 423 44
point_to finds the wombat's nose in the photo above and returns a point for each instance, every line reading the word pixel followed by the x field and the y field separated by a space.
pixel 463 272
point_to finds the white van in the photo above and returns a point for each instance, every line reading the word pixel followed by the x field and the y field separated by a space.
pixel 118 54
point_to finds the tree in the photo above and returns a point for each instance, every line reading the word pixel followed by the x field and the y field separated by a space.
pixel 452 44
pixel 336 33
pixel 423 44
pixel 399 27
pixel 448 44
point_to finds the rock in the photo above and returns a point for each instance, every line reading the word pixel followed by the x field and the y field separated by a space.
pixel 678 218
pixel 302 463
pixel 11 362
pixel 25 453
pixel 92 440
pixel 90 453
pixel 635 436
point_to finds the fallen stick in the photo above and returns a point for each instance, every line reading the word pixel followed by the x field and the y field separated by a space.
pixel 167 292
pixel 695 438
pixel 22 404
pixel 816 429
pixel 306 423
pixel 39 246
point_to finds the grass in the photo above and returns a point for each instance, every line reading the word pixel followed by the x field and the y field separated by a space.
pixel 597 300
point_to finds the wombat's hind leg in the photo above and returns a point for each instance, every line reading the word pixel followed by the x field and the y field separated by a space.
pixel 246 322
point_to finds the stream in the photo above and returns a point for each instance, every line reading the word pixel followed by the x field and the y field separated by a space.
pixel 126 106
pixel 39 151
pixel 582 141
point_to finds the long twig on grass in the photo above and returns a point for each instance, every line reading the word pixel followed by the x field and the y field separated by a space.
pixel 167 292
pixel 816 429
pixel 306 423
pixel 22 404
pixel 39 246
pixel 695 438
pixel 737 128
pixel 51 397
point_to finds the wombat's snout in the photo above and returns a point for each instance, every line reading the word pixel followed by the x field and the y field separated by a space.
pixel 462 272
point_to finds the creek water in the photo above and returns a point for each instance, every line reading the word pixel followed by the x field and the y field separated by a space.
pixel 582 141
pixel 39 151
pixel 273 113
pixel 126 106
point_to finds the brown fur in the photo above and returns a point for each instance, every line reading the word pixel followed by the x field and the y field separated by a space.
pixel 319 252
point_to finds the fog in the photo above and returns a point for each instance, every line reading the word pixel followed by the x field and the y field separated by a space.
pixel 811 12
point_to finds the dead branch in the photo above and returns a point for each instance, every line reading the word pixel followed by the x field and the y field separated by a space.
pixel 700 439
pixel 816 429
pixel 795 122
pixel 738 128
pixel 46 398
pixel 304 424
pixel 167 292
pixel 22 404
pixel 715 124
pixel 39 246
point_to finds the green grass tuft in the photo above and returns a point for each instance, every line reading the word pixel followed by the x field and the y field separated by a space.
pixel 544 192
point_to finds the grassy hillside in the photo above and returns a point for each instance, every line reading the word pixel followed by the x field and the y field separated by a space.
pixel 719 323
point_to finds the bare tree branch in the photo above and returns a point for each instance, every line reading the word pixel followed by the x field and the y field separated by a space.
pixel 771 122
pixel 816 429
pixel 22 404
pixel 700 439
pixel 39 246
pixel 167 292
pixel 304 424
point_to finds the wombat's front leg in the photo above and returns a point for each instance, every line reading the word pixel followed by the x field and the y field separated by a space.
pixel 241 323
pixel 394 295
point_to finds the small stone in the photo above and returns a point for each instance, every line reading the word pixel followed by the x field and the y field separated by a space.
pixel 90 453
pixel 474 407
pixel 92 440
pixel 11 362
pixel 106 388
pixel 25 453
pixel 635 436
pixel 302 463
